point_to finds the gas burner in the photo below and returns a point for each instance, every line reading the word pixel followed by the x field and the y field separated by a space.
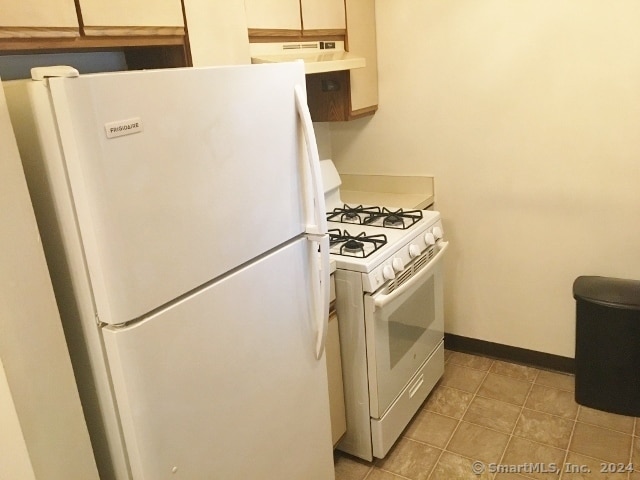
pixel 349 214
pixel 394 219
pixel 360 246
pixel 353 246
pixel 375 216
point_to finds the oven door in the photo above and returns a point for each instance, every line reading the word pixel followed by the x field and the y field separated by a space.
pixel 404 324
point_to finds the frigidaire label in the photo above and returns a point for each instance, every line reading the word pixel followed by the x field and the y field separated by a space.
pixel 123 127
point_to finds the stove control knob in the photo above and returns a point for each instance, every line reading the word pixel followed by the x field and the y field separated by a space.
pixel 397 264
pixel 437 232
pixel 388 273
pixel 429 239
pixel 414 250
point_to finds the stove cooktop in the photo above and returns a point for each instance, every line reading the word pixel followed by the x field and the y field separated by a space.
pixel 363 238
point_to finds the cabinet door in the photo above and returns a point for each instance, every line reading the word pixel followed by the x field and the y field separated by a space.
pixel 217 32
pixel 273 14
pixel 334 376
pixel 132 17
pixel 323 15
pixel 361 38
pixel 38 18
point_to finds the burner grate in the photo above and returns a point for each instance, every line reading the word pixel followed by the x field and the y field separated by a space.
pixel 400 218
pixel 375 216
pixel 349 214
pixel 359 246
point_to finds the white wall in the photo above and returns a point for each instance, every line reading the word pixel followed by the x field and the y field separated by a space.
pixel 528 114
pixel 14 457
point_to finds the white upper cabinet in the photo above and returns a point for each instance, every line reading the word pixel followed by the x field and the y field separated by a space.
pixel 361 33
pixel 323 14
pixel 217 32
pixel 132 17
pixel 273 14
pixel 296 16
pixel 38 18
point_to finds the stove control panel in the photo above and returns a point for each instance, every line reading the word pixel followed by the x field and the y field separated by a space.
pixel 429 239
pixel 388 273
pixel 397 264
pixel 399 260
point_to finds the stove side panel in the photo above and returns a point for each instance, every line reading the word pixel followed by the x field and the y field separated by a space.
pixel 350 310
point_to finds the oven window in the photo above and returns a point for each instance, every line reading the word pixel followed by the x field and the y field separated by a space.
pixel 410 320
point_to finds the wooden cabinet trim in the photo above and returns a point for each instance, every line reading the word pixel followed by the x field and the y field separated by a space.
pixel 325 32
pixel 299 38
pixel 39 32
pixel 274 32
pixel 33 45
pixel 363 112
pixel 90 31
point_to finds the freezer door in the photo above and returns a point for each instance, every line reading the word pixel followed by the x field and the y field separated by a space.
pixel 225 384
pixel 179 175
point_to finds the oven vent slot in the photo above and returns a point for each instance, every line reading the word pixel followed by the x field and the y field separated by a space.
pixel 417 265
pixel 403 277
pixel 421 261
pixel 430 252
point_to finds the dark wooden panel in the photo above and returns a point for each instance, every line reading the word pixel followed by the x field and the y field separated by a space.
pixel 328 96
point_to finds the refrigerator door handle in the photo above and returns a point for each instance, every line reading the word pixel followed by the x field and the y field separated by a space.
pixel 321 291
pixel 317 222
pixel 315 201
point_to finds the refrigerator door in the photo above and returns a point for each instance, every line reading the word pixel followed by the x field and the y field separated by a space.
pixel 180 175
pixel 225 383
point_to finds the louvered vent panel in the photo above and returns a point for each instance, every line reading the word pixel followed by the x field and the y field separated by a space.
pixel 417 265
pixel 404 276
pixel 300 46
pixel 421 262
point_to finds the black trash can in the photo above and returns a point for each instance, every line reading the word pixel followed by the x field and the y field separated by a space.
pixel 608 344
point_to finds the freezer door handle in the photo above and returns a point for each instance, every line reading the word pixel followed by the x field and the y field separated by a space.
pixel 316 223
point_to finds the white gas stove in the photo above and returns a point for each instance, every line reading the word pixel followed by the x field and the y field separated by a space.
pixel 390 310
pixel 377 241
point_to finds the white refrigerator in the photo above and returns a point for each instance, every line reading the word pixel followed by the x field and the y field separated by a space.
pixel 183 220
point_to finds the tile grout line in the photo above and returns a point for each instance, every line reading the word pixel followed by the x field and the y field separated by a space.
pixel 566 450
pixel 444 448
pixel 515 424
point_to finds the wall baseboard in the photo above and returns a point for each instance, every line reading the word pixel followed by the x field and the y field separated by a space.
pixel 546 361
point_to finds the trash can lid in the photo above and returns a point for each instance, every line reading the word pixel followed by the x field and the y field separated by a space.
pixel 614 292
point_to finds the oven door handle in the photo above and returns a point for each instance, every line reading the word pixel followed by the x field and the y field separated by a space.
pixel 316 227
pixel 381 300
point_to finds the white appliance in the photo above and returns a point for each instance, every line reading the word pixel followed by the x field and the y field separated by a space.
pixel 182 213
pixel 389 299
pixel 40 409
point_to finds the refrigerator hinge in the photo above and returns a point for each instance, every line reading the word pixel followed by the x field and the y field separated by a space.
pixel 42 73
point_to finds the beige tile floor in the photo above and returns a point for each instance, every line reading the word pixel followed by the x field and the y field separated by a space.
pixel 522 420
